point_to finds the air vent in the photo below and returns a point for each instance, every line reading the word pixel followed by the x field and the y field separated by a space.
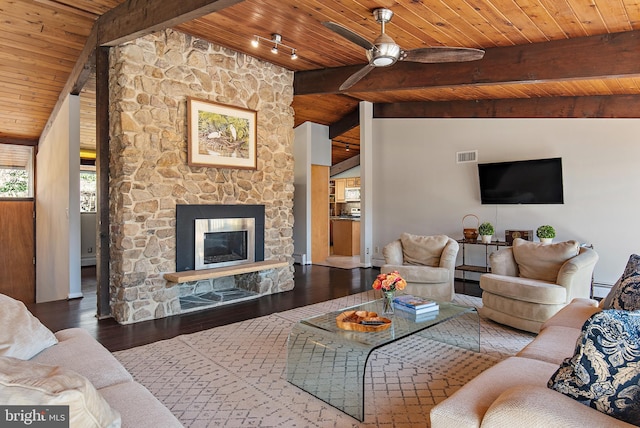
pixel 467 157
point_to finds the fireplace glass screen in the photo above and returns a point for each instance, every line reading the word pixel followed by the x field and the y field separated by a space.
pixel 224 242
pixel 220 247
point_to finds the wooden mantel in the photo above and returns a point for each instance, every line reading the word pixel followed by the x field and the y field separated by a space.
pixel 197 275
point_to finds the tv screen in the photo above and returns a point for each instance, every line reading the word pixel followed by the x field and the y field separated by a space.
pixel 522 182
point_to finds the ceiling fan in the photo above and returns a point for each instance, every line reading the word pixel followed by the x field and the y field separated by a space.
pixel 384 52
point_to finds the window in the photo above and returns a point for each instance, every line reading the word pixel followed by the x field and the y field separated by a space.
pixel 16 171
pixel 87 191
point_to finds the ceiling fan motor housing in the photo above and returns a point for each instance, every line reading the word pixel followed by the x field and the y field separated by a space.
pixel 386 52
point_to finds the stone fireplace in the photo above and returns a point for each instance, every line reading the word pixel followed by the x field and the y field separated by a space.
pixel 150 80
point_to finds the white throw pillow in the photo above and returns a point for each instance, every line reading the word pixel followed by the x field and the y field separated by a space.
pixel 21 334
pixel 33 384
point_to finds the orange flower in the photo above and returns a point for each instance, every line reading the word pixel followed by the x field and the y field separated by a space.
pixel 389 282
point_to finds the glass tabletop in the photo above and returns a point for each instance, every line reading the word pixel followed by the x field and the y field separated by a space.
pixel 403 323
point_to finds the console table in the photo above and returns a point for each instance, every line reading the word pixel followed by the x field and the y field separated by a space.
pixel 486 268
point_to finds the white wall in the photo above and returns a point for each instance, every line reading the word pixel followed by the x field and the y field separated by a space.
pixel 58 207
pixel 88 238
pixel 419 188
pixel 311 146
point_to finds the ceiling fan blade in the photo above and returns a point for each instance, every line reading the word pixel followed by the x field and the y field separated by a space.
pixel 348 34
pixel 443 54
pixel 355 77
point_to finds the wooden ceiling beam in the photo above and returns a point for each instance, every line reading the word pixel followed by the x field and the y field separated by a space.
pixel 137 18
pixel 592 57
pixel 347 123
pixel 609 106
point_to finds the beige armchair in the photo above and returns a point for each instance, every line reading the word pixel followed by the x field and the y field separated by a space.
pixel 530 282
pixel 427 263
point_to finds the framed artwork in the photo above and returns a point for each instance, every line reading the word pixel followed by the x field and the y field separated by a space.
pixel 220 135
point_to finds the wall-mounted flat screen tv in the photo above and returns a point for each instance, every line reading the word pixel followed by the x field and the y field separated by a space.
pixel 536 181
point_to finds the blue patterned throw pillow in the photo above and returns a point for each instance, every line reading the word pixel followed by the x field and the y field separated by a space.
pixel 604 372
pixel 626 293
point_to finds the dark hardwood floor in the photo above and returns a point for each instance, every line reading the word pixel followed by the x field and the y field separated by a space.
pixel 313 284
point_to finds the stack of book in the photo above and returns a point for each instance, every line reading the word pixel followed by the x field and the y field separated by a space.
pixel 422 309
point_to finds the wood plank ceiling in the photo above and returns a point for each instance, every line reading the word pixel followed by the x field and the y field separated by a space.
pixel 540 54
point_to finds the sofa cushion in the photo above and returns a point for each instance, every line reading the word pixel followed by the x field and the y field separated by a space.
pixel 79 351
pixel 542 261
pixel 22 335
pixel 626 293
pixel 604 372
pixel 422 250
pixel 466 407
pixel 139 408
pixel 574 314
pixel 29 383
pixel 554 344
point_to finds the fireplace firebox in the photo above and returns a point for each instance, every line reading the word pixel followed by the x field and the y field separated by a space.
pixel 211 236
pixel 224 242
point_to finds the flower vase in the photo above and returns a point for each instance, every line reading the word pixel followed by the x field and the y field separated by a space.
pixel 387 302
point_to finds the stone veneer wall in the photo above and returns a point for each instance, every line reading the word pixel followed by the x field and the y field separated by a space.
pixel 150 80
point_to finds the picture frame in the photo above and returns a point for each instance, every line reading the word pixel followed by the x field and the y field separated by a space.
pixel 220 135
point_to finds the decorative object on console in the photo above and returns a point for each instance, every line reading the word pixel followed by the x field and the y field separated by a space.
pixel 625 294
pixel 220 135
pixel 470 233
pixel 546 234
pixel 486 231
pixel 388 283
pixel 510 235
pixel 603 372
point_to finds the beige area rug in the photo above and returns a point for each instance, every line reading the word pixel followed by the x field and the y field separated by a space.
pixel 235 375
pixel 341 262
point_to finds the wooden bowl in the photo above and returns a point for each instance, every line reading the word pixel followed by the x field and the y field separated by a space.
pixel 352 320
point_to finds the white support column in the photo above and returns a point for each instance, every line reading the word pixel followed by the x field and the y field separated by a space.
pixel 366 182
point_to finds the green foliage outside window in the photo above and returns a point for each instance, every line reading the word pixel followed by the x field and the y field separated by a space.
pixel 14 183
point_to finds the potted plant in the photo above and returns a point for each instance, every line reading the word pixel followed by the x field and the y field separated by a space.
pixel 546 234
pixel 486 231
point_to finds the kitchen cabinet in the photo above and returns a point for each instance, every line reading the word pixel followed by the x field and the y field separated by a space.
pixel 353 182
pixel 346 237
pixel 341 184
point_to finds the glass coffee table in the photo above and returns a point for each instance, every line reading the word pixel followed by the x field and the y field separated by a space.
pixel 330 363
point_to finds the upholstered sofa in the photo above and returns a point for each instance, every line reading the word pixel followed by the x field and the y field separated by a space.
pixel 70 368
pixel 427 263
pixel 514 392
pixel 530 282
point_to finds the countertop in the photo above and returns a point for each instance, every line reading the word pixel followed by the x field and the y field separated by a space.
pixel 345 217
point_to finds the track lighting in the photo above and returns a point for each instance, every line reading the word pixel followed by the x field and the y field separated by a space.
pixel 347 147
pixel 276 39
